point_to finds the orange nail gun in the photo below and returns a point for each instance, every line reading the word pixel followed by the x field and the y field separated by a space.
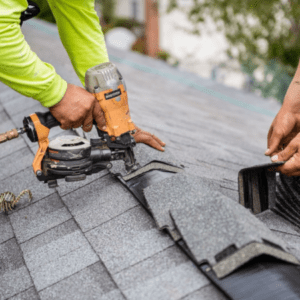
pixel 73 157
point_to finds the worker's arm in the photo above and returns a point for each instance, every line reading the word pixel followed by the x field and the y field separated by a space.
pixel 286 124
pixel 80 33
pixel 283 136
pixel 20 68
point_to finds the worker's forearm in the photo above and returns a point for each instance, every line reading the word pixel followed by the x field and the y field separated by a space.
pixel 80 32
pixel 20 68
pixel 292 98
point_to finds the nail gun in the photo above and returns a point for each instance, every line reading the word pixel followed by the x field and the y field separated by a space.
pixel 73 157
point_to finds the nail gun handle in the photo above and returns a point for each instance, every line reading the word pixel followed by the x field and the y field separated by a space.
pixel 47 119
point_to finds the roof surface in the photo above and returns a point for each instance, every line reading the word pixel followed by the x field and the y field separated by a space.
pixel 92 239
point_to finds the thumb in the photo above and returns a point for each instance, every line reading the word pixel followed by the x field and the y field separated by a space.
pixel 285 154
pixel 273 144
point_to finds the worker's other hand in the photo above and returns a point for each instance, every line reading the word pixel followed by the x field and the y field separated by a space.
pixel 290 154
pixel 283 129
pixel 149 139
pixel 78 108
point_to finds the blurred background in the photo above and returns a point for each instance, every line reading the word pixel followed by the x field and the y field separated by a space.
pixel 251 44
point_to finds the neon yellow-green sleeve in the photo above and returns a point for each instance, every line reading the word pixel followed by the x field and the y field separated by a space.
pixel 20 68
pixel 80 33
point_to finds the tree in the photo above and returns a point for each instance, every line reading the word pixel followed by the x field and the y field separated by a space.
pixel 265 33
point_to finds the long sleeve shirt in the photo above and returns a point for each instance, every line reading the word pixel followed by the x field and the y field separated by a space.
pixel 20 67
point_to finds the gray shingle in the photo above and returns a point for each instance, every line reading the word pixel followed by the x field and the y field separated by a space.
pixel 159 276
pixel 15 162
pixel 92 282
pixel 39 217
pixel 173 284
pixel 14 282
pixel 175 192
pixel 7 94
pixel 127 239
pixel 208 292
pixel 11 256
pixel 29 294
pixel 149 268
pixel 50 236
pixel 14 276
pixel 275 222
pixel 292 241
pixel 98 202
pixel 18 105
pixel 58 258
pixel 217 223
pixel 6 229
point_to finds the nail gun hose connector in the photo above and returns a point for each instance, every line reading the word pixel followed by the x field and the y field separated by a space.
pixel 46 119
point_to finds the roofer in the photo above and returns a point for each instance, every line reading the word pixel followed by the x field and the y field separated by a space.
pixel 81 34
pixel 284 133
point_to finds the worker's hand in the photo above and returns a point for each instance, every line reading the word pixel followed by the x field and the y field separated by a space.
pixel 286 124
pixel 284 128
pixel 149 139
pixel 290 154
pixel 78 108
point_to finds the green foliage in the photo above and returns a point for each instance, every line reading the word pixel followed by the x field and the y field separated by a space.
pixel 267 33
pixel 163 55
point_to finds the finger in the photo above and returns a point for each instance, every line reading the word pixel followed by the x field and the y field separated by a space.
pixel 88 122
pixel 98 116
pixel 274 142
pixel 291 167
pixel 159 140
pixel 146 138
pixel 153 143
pixel 285 154
pixel 65 125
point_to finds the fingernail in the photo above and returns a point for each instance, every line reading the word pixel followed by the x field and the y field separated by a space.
pixel 104 128
pixel 267 151
pixel 274 158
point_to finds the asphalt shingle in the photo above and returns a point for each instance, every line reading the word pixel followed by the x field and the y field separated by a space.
pixel 6 229
pixel 277 223
pixel 208 292
pixel 98 202
pixel 65 253
pixel 127 239
pixel 14 276
pixel 38 217
pixel 16 162
pixel 29 294
pixel 165 275
pixel 92 282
